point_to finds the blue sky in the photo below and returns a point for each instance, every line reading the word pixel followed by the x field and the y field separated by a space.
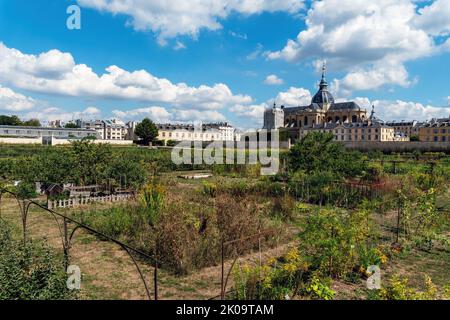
pixel 221 59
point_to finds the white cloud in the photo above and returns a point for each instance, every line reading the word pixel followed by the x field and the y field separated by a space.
pixel 54 72
pixel 169 19
pixel 273 80
pixel 256 53
pixel 435 18
pixel 162 115
pixel 179 46
pixel 371 40
pixel 13 101
pixel 53 113
pixel 238 35
pixel 294 97
pixel 253 114
pixel 156 113
pixel 403 110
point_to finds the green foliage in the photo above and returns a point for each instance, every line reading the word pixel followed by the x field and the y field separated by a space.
pixel 31 271
pixel 330 237
pixel 399 289
pixel 10 120
pixel 15 121
pixel 275 280
pixel 319 289
pixel 152 199
pixel 147 131
pixel 71 125
pixel 32 123
pixel 317 152
pixel 25 190
pixel 209 189
pixel 90 161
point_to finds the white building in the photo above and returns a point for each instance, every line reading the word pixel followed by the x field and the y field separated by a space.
pixel 97 125
pixel 46 133
pixel 115 130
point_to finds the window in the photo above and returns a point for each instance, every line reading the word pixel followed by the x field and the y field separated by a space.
pixel 435 138
pixel 443 138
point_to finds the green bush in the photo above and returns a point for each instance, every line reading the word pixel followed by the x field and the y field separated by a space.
pixel 31 271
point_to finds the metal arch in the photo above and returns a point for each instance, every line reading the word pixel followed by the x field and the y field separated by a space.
pixel 73 233
pixel 80 225
pixel 129 253
pixel 54 218
pixel 140 272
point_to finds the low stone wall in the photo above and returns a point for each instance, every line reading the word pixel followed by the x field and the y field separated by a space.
pixel 397 146
pixel 81 201
pixel 20 140
pixel 56 142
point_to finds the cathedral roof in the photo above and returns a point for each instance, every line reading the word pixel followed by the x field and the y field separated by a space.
pixel 323 95
pixel 351 105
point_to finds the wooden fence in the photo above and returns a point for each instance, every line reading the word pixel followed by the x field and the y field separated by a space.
pixel 80 201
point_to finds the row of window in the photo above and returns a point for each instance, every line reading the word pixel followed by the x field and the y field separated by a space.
pixel 50 133
pixel 189 135
pixel 298 123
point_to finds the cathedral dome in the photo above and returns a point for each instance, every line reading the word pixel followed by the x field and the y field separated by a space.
pixel 323 95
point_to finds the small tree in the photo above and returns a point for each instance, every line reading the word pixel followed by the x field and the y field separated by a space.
pixel 32 123
pixel 147 131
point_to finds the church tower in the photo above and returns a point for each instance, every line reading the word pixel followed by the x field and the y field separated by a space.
pixel 323 98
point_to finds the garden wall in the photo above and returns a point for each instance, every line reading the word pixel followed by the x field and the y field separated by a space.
pixel 395 146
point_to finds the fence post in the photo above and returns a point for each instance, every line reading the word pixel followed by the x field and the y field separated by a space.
pixel 1 193
pixel 222 294
pixel 155 275
pixel 66 245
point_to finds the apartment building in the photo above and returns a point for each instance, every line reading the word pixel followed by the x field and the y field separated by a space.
pixel 181 132
pixel 407 128
pixel 115 130
pixel 97 125
pixel 357 132
pixel 436 130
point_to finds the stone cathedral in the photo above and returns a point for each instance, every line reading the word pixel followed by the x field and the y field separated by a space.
pixel 322 110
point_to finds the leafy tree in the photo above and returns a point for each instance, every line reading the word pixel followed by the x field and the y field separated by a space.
pixel 32 123
pixel 10 120
pixel 71 125
pixel 318 152
pixel 147 131
pixel 90 161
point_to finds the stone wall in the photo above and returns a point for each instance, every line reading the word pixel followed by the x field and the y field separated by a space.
pixel 20 140
pixel 396 146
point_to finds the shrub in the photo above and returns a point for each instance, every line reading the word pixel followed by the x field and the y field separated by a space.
pixel 319 289
pixel 329 240
pixel 152 197
pixel 399 289
pixel 31 271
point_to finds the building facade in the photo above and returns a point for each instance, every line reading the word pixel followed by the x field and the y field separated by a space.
pixel 41 132
pixel 115 130
pixel 97 125
pixel 205 133
pixel 407 128
pixel 436 130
